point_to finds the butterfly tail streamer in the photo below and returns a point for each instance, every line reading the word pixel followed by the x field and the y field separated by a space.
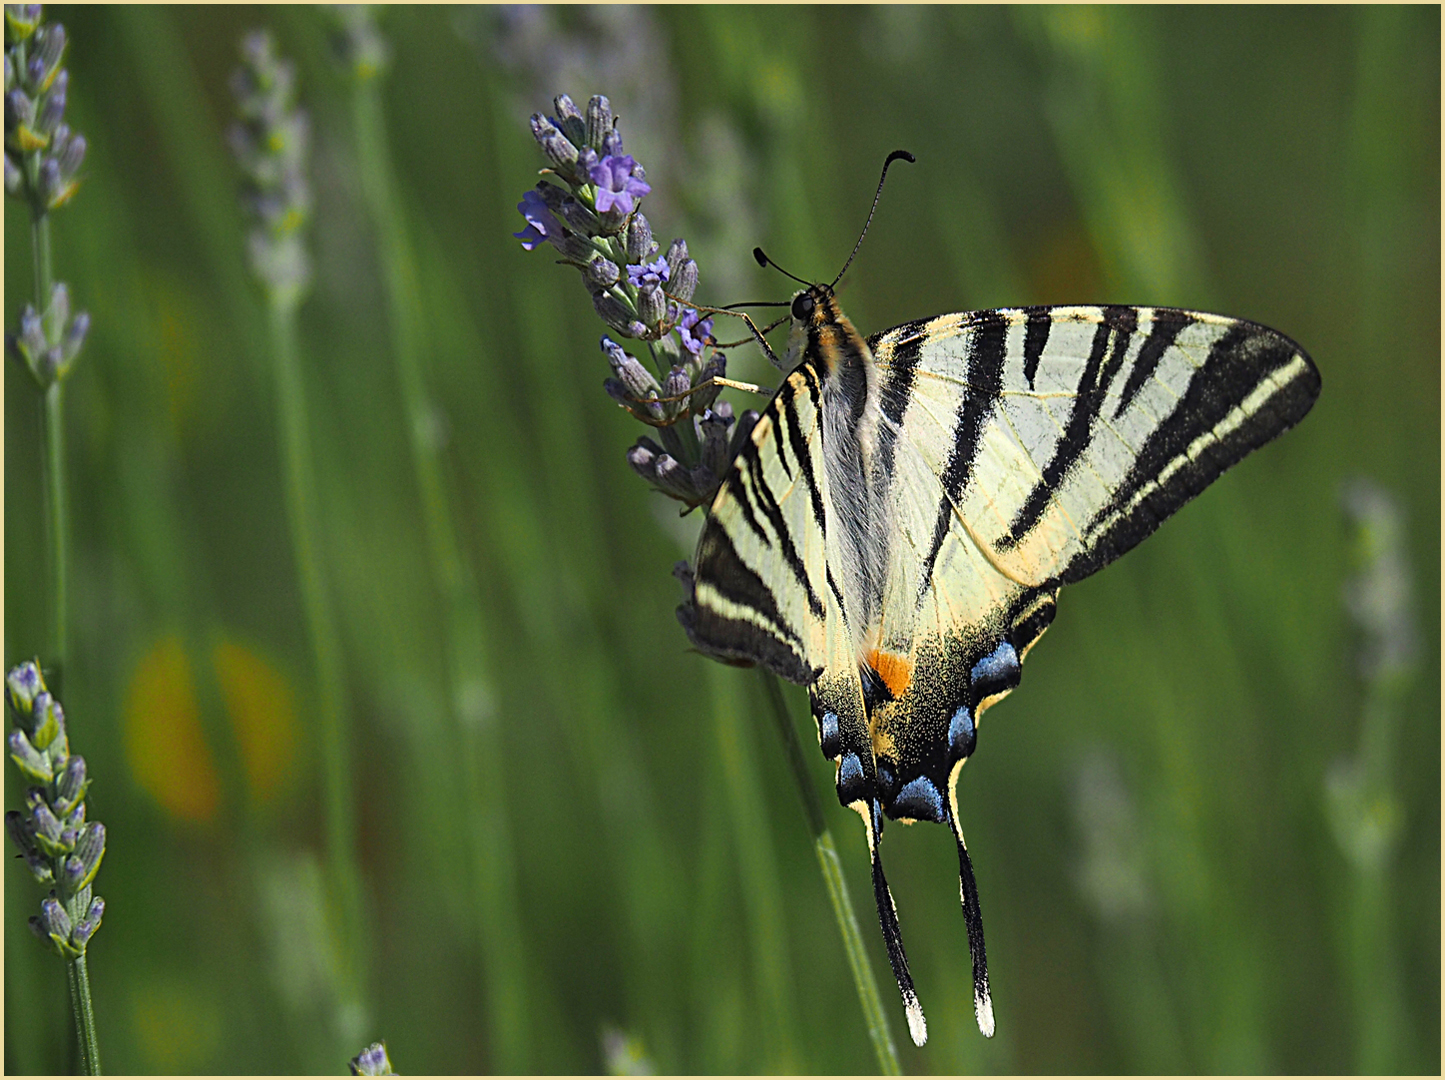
pixel 973 920
pixel 893 938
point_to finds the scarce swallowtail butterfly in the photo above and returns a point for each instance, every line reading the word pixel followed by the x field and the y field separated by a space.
pixel 894 533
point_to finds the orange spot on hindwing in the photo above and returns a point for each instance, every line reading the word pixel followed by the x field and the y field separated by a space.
pixel 894 671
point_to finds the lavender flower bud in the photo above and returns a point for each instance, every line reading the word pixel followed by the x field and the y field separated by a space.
pixel 39 867
pixel 599 121
pixel 51 45
pixel 87 927
pixel 70 784
pixel 51 184
pixel 43 823
pixel 19 112
pixel 23 681
pixel 21 21
pixel 676 384
pixel 13 177
pixel 54 919
pixel 575 249
pixel 638 381
pixel 715 368
pixel 47 720
pixel 572 123
pixel 30 761
pixel 560 150
pixel 70 155
pixel 612 311
pixel 673 478
pixel 714 427
pixel 52 112
pixel 27 344
pixel 71 872
pixel 89 849
pixel 75 338
pixel 19 830
pixel 552 195
pixel 643 458
pixel 601 274
pixel 34 74
pixel 612 143
pixel 580 219
pixel 639 238
pixel 684 280
pixel 676 256
pixel 651 305
pixel 371 1062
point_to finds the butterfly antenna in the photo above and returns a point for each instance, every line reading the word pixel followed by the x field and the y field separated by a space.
pixel 906 156
pixel 764 261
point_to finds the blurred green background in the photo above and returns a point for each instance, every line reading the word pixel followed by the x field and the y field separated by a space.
pixel 597 858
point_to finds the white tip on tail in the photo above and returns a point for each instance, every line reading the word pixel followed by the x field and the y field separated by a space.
pixel 917 1026
pixel 983 1010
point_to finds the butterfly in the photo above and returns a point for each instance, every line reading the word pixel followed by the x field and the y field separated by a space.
pixel 894 532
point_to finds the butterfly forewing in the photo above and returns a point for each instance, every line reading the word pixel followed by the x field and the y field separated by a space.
pixel 1064 436
pixel 761 575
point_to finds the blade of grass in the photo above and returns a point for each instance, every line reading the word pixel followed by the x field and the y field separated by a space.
pixel 499 922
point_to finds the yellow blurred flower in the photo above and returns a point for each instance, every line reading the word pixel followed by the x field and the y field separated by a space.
pixel 165 741
pixel 263 715
pixel 164 744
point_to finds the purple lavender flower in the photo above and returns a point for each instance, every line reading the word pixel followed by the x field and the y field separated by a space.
pixel 648 275
pixel 542 224
pixel 616 186
pixel 694 331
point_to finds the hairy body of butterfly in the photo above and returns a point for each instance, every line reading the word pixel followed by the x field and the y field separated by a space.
pixel 895 532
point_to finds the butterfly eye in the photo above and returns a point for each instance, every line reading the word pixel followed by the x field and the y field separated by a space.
pixel 802 306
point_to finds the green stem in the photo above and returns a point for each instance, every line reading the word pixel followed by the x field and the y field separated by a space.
pixel 55 499
pixel 325 642
pixel 832 869
pixel 79 978
pixel 497 908
pixel 757 864
pixel 53 427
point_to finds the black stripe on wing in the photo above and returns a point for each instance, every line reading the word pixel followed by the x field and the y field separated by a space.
pixel 1036 337
pixel 987 347
pixel 1242 361
pixel 897 389
pixel 1106 357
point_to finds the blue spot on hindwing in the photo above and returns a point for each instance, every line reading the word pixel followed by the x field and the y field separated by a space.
pixel 850 779
pixel 919 800
pixel 961 734
pixel 829 737
pixel 995 673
